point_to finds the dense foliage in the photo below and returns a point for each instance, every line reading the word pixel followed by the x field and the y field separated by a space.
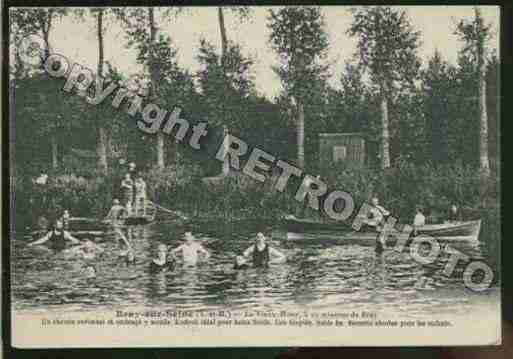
pixel 433 116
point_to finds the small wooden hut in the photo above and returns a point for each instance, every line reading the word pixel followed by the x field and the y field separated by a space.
pixel 341 147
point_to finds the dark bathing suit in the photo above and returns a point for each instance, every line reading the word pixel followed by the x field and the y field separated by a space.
pixel 260 258
pixel 57 241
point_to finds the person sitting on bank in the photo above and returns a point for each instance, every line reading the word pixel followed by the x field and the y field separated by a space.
pixel 140 196
pixel 191 250
pixel 454 214
pixel 377 214
pixel 127 190
pixel 261 252
pixel 58 237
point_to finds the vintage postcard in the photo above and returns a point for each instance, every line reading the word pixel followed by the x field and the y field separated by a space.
pixel 254 176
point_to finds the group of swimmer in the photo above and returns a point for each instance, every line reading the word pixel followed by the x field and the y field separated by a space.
pixel 259 254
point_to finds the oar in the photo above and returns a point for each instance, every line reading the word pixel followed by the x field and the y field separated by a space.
pixel 168 210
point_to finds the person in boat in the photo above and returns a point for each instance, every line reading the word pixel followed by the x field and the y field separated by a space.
pixel 419 220
pixel 127 189
pixel 140 196
pixel 58 237
pixel 241 263
pixel 191 250
pixel 454 214
pixel 261 252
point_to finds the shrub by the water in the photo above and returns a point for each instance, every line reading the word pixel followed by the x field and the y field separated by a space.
pixel 238 197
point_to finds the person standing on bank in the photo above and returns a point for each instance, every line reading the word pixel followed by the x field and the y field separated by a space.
pixel 132 170
pixel 140 196
pixel 261 252
pixel 127 189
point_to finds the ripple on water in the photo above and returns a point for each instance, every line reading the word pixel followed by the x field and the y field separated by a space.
pixel 321 272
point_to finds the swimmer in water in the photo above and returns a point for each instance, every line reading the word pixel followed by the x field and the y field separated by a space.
pixel 90 272
pixel 161 262
pixel 129 256
pixel 191 250
pixel 262 254
pixel 88 250
pixel 58 237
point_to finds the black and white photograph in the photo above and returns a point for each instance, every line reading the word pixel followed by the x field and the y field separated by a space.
pixel 254 175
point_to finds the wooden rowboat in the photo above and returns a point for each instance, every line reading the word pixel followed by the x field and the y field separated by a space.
pixel 468 231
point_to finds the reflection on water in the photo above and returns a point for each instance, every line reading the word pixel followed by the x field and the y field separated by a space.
pixel 321 272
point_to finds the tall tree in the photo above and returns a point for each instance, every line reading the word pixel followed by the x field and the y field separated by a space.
pixel 475 34
pixel 242 13
pixel 154 53
pixel 40 21
pixel 438 81
pixel 298 35
pixel 387 45
pixel 102 137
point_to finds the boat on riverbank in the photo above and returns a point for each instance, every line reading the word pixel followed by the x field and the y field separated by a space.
pixel 452 231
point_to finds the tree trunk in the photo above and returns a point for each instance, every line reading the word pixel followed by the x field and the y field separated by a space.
pixel 300 134
pixel 224 39
pixel 385 135
pixel 483 128
pixel 102 132
pixel 225 171
pixel 101 149
pixel 160 151
pixel 161 161
pixel 53 140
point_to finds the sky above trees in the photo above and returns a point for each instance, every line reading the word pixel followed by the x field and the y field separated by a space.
pixel 77 40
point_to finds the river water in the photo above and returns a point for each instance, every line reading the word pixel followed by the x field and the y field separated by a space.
pixel 322 271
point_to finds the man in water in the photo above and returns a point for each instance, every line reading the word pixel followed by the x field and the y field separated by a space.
pixel 261 252
pixel 191 250
pixel 375 221
pixel 377 214
pixel 115 216
pixel 160 262
pixel 58 237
